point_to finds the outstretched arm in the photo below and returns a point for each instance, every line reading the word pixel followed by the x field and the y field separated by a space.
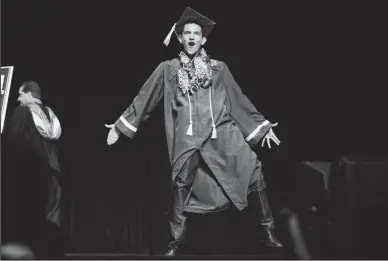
pixel 250 121
pixel 140 109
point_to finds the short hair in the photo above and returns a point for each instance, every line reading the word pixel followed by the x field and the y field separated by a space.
pixel 189 20
pixel 33 88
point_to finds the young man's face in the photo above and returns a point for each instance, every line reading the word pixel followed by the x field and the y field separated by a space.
pixel 191 38
pixel 23 98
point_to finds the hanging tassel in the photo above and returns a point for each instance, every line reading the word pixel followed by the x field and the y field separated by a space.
pixel 190 129
pixel 214 133
pixel 168 37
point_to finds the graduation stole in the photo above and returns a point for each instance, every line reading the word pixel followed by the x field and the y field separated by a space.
pixel 195 73
pixel 48 129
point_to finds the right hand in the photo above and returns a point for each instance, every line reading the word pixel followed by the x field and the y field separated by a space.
pixel 113 134
pixel 270 136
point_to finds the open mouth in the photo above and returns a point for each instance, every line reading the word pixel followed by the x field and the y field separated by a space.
pixel 191 43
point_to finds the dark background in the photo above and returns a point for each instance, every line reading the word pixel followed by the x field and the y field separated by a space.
pixel 317 68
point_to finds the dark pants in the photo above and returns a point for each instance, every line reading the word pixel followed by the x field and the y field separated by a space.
pixel 258 201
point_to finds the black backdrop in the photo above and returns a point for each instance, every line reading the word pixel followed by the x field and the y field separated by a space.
pixel 315 67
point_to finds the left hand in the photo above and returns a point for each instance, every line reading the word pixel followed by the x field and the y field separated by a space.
pixel 270 136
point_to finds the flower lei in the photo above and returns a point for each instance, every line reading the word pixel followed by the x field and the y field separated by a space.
pixel 194 74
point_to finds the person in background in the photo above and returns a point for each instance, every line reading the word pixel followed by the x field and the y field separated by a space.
pixel 31 172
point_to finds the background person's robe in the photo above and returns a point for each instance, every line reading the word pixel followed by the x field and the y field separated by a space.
pixel 28 155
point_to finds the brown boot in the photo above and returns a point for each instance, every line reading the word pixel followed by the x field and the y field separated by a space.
pixel 262 212
pixel 180 193
pixel 173 248
pixel 177 220
pixel 271 240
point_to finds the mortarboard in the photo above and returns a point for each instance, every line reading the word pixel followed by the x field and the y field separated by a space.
pixel 207 24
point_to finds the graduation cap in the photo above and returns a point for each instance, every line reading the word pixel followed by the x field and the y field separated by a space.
pixel 207 24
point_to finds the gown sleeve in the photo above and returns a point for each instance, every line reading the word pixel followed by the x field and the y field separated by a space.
pixel 249 120
pixel 143 104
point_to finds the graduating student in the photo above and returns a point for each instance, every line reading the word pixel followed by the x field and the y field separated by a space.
pixel 211 127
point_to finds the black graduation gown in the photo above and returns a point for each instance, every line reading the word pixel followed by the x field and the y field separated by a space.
pixel 238 123
pixel 30 172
